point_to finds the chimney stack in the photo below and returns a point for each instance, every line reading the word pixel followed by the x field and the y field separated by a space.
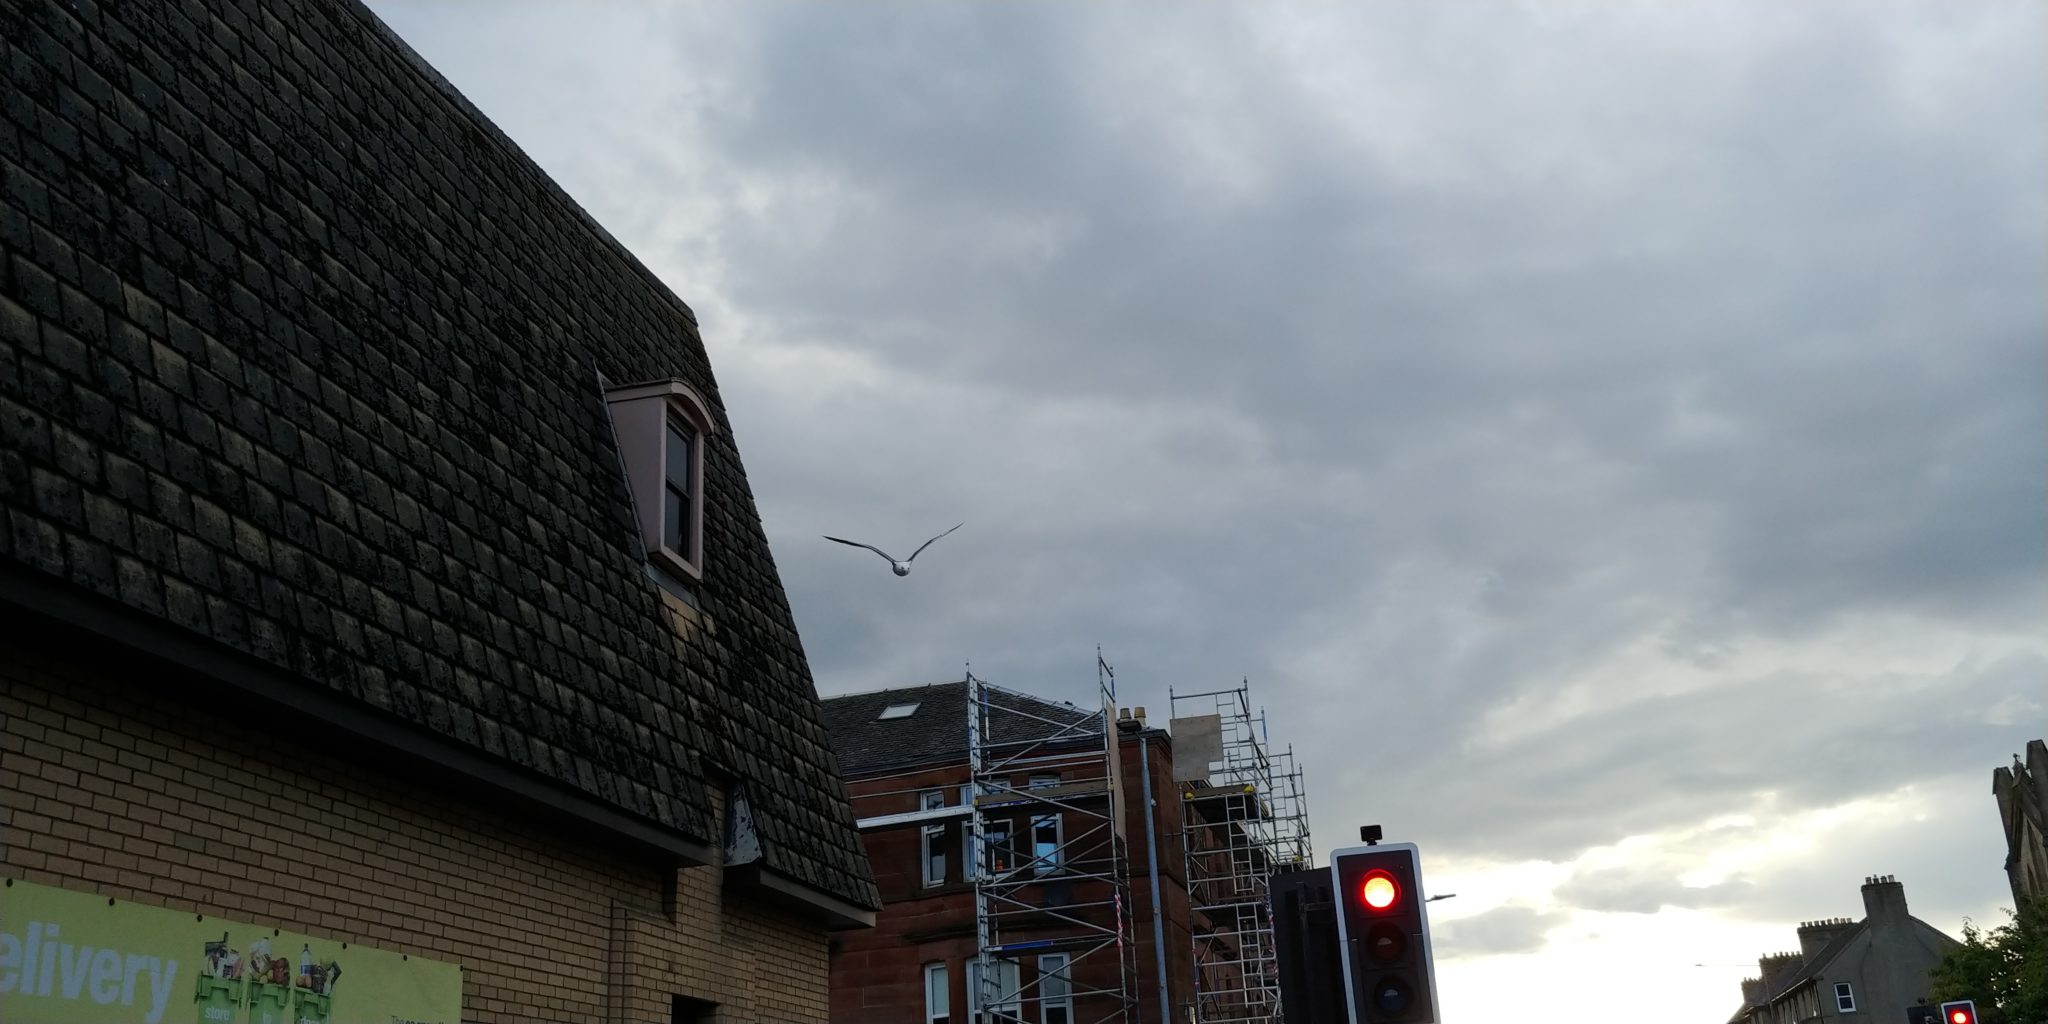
pixel 1814 936
pixel 1775 965
pixel 1884 901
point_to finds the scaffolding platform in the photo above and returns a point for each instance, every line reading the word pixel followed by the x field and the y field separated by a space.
pixel 1051 867
pixel 1245 819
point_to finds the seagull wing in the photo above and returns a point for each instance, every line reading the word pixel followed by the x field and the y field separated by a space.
pixel 926 544
pixel 870 547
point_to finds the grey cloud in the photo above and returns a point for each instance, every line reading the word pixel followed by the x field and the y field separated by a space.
pixel 1638 890
pixel 1504 930
pixel 1637 767
pixel 1414 363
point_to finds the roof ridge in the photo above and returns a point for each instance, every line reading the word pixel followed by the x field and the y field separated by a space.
pixel 895 689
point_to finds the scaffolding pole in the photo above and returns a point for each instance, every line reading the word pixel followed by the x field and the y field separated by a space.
pixel 1051 870
pixel 1245 821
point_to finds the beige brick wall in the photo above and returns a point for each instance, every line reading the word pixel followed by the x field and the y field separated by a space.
pixel 110 784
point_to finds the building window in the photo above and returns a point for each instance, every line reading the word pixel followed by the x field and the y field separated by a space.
pixel 933 841
pixel 1003 1005
pixel 894 711
pixel 1055 990
pixel 967 858
pixel 937 1002
pixel 1845 998
pixel 661 428
pixel 1002 857
pixel 1044 781
pixel 1046 835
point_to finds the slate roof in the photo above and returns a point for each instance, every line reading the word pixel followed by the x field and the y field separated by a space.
pixel 937 732
pixel 300 356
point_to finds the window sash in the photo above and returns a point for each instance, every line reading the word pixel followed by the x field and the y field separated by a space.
pixel 679 486
pixel 1002 858
pixel 678 467
pixel 1005 1004
pixel 1845 998
pixel 969 863
pixel 933 854
pixel 937 1000
pixel 1055 990
pixel 1047 832
pixel 932 839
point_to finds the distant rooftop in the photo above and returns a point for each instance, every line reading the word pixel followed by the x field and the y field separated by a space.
pixel 909 726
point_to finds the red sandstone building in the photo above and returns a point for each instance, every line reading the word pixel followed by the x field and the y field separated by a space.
pixel 1021 830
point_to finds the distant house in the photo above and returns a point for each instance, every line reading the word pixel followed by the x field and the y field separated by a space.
pixel 377 567
pixel 1873 969
pixel 2022 793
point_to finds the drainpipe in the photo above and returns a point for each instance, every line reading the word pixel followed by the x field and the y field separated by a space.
pixel 1152 855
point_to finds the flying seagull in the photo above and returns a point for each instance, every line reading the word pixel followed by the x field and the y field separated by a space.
pixel 901 568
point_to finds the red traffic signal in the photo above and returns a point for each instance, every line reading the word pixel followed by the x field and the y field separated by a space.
pixel 1962 1011
pixel 1379 892
pixel 1383 935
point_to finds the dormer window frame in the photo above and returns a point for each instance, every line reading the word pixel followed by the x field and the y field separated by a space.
pixel 648 417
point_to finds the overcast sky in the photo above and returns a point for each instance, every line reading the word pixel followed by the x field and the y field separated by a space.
pixel 1610 439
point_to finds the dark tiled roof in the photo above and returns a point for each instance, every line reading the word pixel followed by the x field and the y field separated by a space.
pixel 937 732
pixel 299 355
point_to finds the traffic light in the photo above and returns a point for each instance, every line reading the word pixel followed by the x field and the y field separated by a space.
pixel 1383 932
pixel 1962 1011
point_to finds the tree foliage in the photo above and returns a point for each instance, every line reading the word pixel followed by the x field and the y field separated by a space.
pixel 2005 971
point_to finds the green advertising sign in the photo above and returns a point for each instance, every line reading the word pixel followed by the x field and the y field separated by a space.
pixel 74 957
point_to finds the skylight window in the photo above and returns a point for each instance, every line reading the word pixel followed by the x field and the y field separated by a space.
pixel 896 711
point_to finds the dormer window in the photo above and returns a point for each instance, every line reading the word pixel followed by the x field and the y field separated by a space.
pixel 662 426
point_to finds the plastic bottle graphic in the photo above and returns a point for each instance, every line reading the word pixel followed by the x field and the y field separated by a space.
pixel 310 1002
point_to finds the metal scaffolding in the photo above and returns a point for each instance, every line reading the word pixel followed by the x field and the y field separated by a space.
pixel 1245 819
pixel 1051 871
